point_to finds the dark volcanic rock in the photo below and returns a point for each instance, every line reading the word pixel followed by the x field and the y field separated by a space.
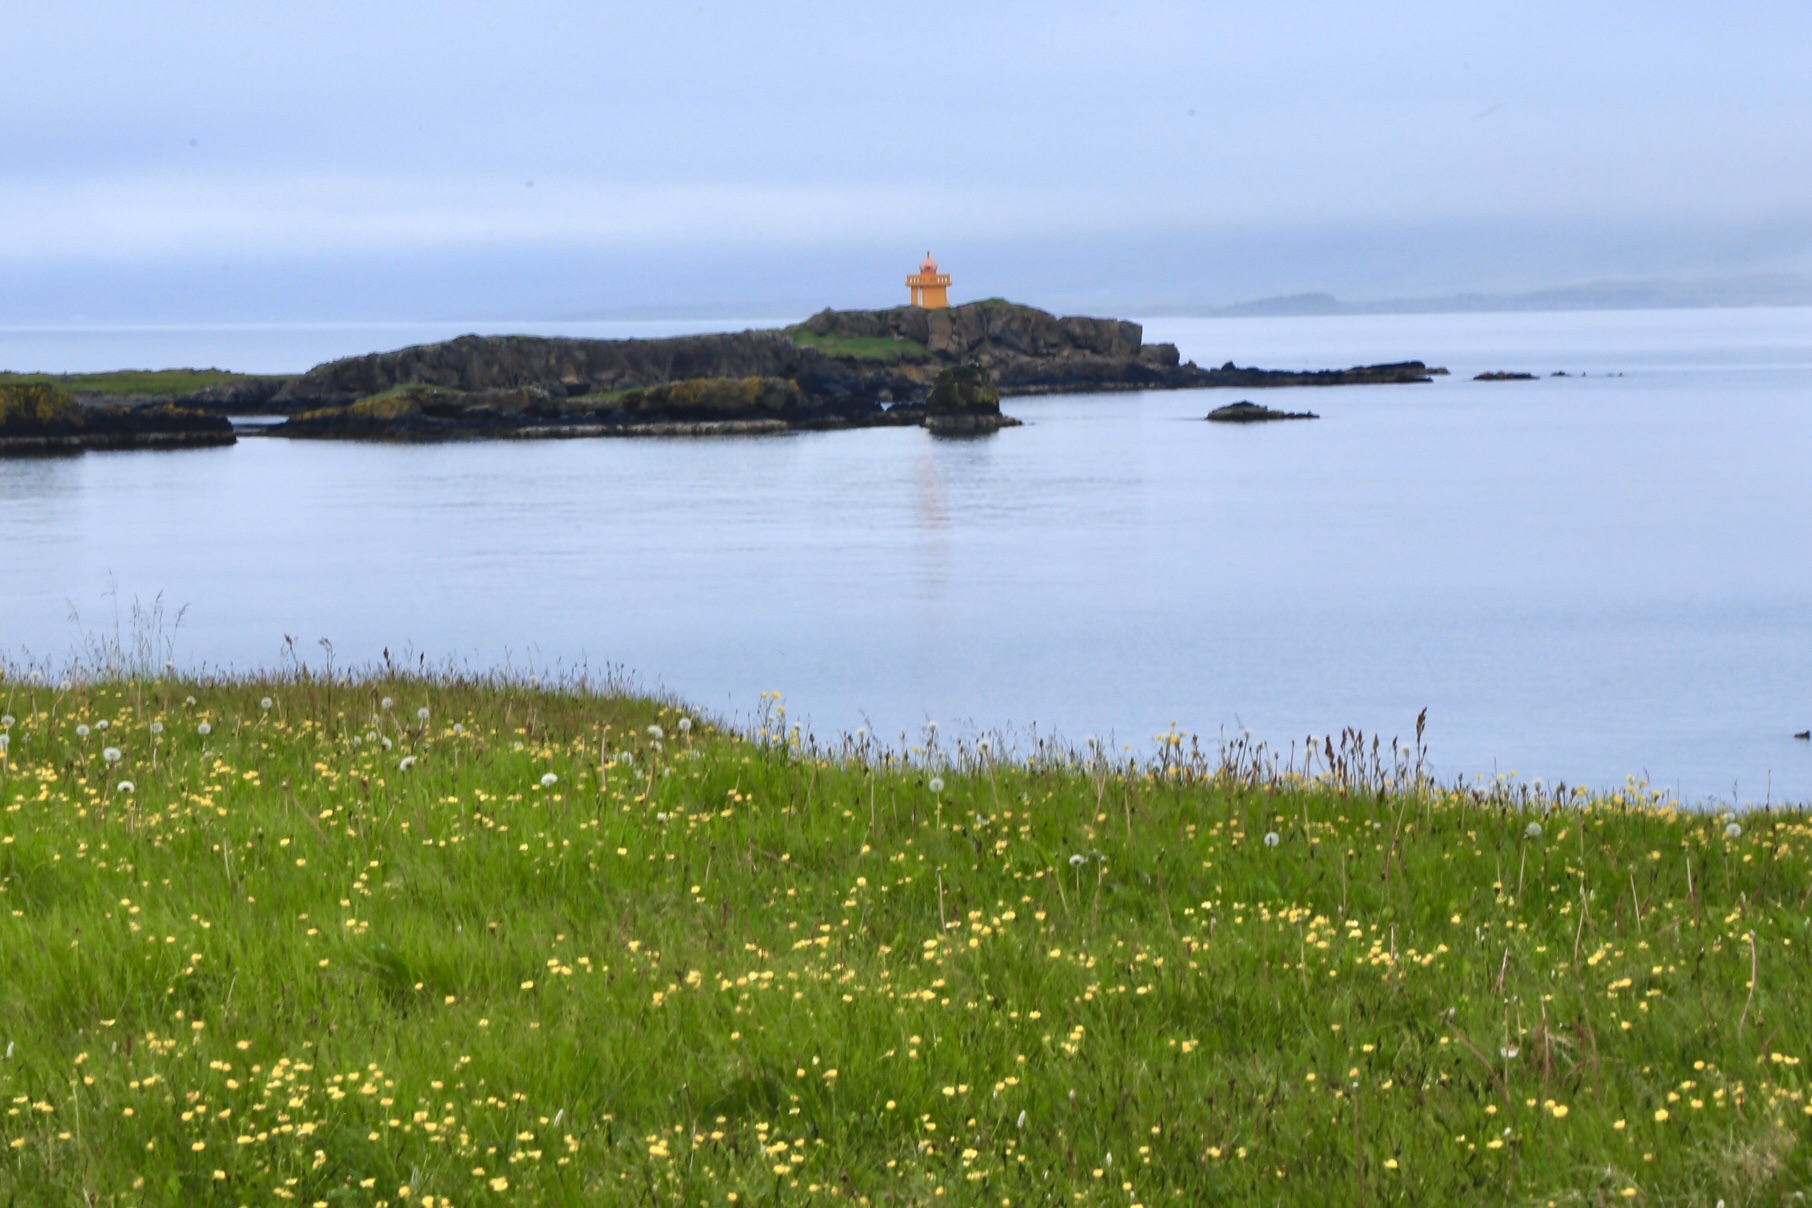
pixel 38 418
pixel 964 402
pixel 1504 376
pixel 842 369
pixel 1244 412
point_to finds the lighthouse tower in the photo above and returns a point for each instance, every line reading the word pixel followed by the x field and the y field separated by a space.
pixel 930 288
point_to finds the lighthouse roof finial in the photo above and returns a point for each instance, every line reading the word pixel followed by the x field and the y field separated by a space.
pixel 928 265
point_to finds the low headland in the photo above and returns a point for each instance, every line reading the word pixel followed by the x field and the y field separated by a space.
pixel 838 369
pixel 42 417
pixel 451 941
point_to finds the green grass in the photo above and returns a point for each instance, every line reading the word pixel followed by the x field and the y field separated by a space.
pixel 172 383
pixel 330 952
pixel 885 350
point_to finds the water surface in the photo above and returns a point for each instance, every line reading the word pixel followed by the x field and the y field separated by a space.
pixel 1581 578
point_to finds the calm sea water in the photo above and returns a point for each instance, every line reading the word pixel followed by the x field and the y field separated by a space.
pixel 1581 578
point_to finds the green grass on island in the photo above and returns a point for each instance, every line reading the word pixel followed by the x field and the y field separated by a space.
pixel 171 383
pixel 445 942
pixel 886 350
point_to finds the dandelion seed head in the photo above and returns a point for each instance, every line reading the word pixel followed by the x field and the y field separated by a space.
pixel 458 729
pixel 265 703
pixel 156 728
pixel 937 784
pixel 111 754
pixel 125 787
pixel 1733 831
pixel 656 732
pixel 81 731
pixel 7 720
pixel 685 725
pixel 1533 830
pixel 1272 839
pixel 549 780
pixel 204 729
pixel 404 764
pixel 1077 860
pixel 421 714
pixel 102 724
pixel 386 703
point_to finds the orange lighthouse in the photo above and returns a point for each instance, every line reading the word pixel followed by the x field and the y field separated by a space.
pixel 930 288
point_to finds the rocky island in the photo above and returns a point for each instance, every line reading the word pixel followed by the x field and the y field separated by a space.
pixel 838 369
pixel 39 417
pixel 1247 412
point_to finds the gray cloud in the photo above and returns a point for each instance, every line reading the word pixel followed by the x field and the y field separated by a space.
pixel 1169 152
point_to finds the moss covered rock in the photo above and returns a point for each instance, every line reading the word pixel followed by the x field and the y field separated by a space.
pixel 36 407
pixel 963 390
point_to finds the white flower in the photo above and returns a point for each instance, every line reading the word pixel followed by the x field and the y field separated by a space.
pixel 126 787
pixel 658 748
pixel 1076 861
pixel 356 740
pixel 204 729
pixel 937 784
pixel 6 720
pixel 371 736
pixel 111 754
pixel 1733 831
pixel 685 725
pixel 156 728
pixel 458 729
pixel 81 731
pixel 656 732
pixel 388 744
pixel 6 740
pixel 407 762
pixel 862 734
pixel 1508 1051
pixel 660 817
pixel 101 724
pixel 421 714
pixel 931 727
pixel 1272 839
pixel 1533 830
pixel 386 703
pixel 984 745
pixel 266 702
pixel 189 701
pixel 549 780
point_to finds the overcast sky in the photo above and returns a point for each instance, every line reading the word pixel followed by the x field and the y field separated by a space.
pixel 400 159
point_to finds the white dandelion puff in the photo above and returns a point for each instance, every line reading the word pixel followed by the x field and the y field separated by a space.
pixel 356 740
pixel 421 714
pixel 388 744
pixel 6 720
pixel 1509 1051
pixel 265 703
pixel 1272 839
pixel 189 701
pixel 81 731
pixel 624 757
pixel 111 754
pixel 156 728
pixel 1733 831
pixel 405 763
pixel 204 729
pixel 549 780
pixel 660 817
pixel 6 740
pixel 937 784
pixel 1533 830
pixel 685 725
pixel 102 724
pixel 126 787
pixel 1076 861
pixel 386 703
pixel 656 732
pixel 458 729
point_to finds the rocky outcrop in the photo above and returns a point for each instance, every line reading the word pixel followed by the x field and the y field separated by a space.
pixel 964 402
pixel 1244 412
pixel 837 369
pixel 1501 375
pixel 40 418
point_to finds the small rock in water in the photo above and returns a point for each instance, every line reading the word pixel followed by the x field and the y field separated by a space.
pixel 1244 412
pixel 1501 375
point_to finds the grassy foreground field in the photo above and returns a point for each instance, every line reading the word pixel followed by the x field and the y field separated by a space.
pixel 456 943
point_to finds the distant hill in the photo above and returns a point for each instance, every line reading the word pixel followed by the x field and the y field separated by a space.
pixel 1771 290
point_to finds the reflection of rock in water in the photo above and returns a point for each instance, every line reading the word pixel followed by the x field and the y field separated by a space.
pixel 933 527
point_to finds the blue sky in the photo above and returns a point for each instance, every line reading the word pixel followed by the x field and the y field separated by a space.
pixel 399 159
